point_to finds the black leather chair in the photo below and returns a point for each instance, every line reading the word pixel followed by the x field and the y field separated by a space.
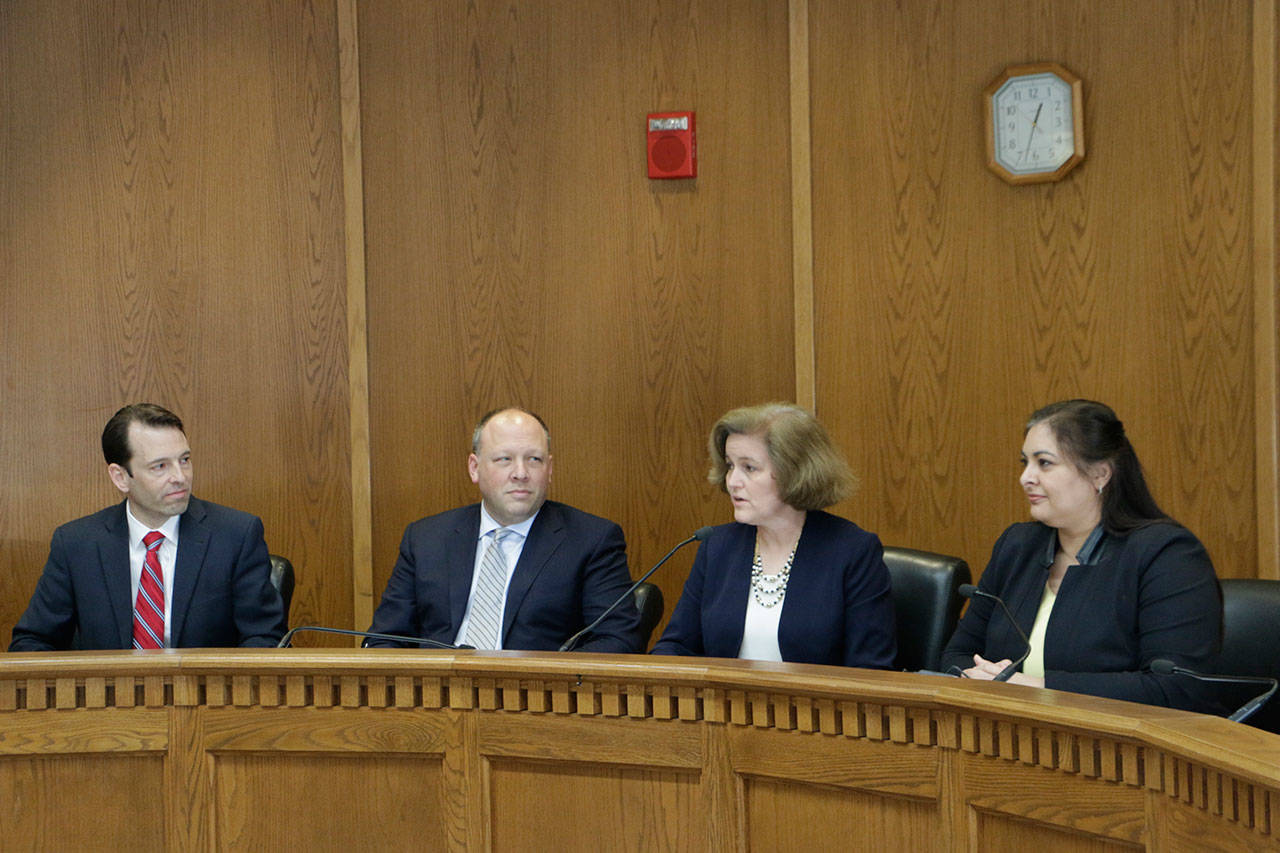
pixel 282 580
pixel 1250 616
pixel 925 603
pixel 649 603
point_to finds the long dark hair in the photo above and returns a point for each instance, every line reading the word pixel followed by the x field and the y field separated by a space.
pixel 1089 433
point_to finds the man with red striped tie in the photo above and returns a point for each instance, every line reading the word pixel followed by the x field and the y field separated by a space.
pixel 161 569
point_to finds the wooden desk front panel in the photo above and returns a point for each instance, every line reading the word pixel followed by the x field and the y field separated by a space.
pixel 372 750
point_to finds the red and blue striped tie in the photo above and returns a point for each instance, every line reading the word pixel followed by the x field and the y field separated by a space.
pixel 148 610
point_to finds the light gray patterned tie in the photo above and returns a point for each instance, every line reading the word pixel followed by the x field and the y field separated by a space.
pixel 486 608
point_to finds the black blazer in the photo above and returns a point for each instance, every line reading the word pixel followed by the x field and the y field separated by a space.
pixel 222 591
pixel 573 566
pixel 1150 594
pixel 838 608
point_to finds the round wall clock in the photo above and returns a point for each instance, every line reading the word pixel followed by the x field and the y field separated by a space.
pixel 1035 123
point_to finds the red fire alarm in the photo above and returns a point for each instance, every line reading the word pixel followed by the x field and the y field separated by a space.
pixel 673 152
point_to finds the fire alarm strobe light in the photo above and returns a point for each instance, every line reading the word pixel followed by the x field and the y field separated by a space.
pixel 673 152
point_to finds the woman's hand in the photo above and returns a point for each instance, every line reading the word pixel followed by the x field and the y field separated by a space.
pixel 985 670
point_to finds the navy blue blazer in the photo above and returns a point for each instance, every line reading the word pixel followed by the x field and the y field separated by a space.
pixel 222 591
pixel 573 566
pixel 838 608
pixel 1149 594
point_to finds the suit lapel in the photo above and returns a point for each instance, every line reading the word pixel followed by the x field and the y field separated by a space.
pixel 811 559
pixel 193 541
pixel 544 538
pixel 461 563
pixel 113 555
pixel 739 552
pixel 1025 602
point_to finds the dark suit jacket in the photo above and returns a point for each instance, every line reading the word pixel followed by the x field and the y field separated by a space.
pixel 1149 594
pixel 222 592
pixel 573 566
pixel 838 608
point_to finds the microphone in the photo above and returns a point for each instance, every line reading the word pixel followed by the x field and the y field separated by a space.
pixel 698 535
pixel 368 635
pixel 968 590
pixel 1163 666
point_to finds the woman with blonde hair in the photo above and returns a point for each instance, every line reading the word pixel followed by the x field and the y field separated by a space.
pixel 785 581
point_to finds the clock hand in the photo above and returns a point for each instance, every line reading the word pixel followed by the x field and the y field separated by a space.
pixel 1032 134
pixel 1023 115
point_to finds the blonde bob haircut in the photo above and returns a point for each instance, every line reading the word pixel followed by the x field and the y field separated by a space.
pixel 810 471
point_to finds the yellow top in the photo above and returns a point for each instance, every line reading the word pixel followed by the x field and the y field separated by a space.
pixel 1034 664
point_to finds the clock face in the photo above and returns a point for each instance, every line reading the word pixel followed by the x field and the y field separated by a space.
pixel 1033 124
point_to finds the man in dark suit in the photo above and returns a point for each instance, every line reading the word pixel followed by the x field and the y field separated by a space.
pixel 515 571
pixel 161 568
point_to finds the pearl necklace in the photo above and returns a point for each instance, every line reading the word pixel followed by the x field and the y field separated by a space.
pixel 769 590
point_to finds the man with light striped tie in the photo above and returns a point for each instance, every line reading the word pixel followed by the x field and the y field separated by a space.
pixel 161 569
pixel 515 571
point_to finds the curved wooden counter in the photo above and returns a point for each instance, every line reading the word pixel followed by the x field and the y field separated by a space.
pixel 404 749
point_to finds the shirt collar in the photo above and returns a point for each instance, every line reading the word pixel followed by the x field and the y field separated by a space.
pixel 1090 552
pixel 137 530
pixel 488 525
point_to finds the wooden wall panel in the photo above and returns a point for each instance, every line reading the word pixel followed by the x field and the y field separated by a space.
pixel 950 305
pixel 1115 814
pixel 171 231
pixel 306 801
pixel 1001 834
pixel 123 788
pixel 784 815
pixel 171 228
pixel 518 253
pixel 536 806
pixel 404 749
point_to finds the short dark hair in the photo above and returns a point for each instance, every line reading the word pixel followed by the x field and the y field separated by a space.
pixel 809 469
pixel 1089 433
pixel 492 413
pixel 115 436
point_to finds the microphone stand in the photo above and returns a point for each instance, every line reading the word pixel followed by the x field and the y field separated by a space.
pixel 700 534
pixel 968 590
pixel 1163 666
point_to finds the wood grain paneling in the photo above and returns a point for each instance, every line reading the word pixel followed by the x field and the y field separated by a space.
pixel 951 304
pixel 1266 407
pixel 518 253
pixel 801 202
pixel 791 816
pixel 537 807
pixel 362 591
pixel 122 787
pixel 400 749
pixel 1006 835
pixel 172 231
pixel 188 211
pixel 1036 798
pixel 275 802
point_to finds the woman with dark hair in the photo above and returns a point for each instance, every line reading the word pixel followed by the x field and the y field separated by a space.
pixel 785 581
pixel 1102 581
